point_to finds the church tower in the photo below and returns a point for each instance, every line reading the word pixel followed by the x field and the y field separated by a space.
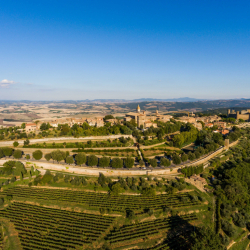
pixel 138 109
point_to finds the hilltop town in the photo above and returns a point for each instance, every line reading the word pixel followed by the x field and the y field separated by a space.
pixel 131 178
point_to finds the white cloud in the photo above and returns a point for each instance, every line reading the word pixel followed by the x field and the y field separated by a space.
pixel 6 83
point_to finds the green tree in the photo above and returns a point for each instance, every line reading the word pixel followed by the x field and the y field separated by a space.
pixel 178 140
pixel 116 163
pixel 107 117
pixel 141 163
pixel 26 142
pixel 47 178
pixel 101 179
pixel 17 154
pixel 191 156
pixel 148 191
pixel 206 239
pixel 104 162
pixel 1 201
pixel 80 158
pixel 153 163
pixel 1 153
pixel 47 157
pixel 23 126
pixel 7 151
pixel 184 157
pixel 58 155
pixel 129 162
pixel 44 126
pixel 15 144
pixel 130 214
pixel 92 160
pixel 19 168
pixel 70 160
pixel 165 162
pixel 37 155
pixel 13 179
pixel 116 189
pixel 176 159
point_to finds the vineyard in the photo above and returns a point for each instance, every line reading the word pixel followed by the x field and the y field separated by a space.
pixel 126 235
pixel 47 228
pixel 101 200
pixel 1 236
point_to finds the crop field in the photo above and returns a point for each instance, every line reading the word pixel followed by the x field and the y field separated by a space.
pixel 102 200
pixel 47 228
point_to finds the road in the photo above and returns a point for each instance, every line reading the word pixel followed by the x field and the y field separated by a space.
pixel 62 139
pixel 114 172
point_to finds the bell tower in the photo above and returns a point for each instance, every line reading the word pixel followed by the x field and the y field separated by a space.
pixel 138 109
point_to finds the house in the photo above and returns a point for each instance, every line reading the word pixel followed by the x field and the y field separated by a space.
pixel 209 125
pixel 112 121
pixel 95 122
pixel 54 124
pixel 30 127
pixel 220 124
pixel 225 131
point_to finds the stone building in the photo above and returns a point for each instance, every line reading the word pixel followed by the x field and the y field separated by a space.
pixel 187 119
pixel 220 124
pixel 208 119
pixel 243 114
pixel 147 121
pixel 197 181
pixel 96 121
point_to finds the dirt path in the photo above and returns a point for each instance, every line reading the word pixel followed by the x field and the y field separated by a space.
pixel 231 244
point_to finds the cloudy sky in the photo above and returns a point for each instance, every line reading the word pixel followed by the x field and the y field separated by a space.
pixel 57 50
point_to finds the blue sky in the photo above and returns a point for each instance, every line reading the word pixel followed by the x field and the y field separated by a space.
pixel 58 50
